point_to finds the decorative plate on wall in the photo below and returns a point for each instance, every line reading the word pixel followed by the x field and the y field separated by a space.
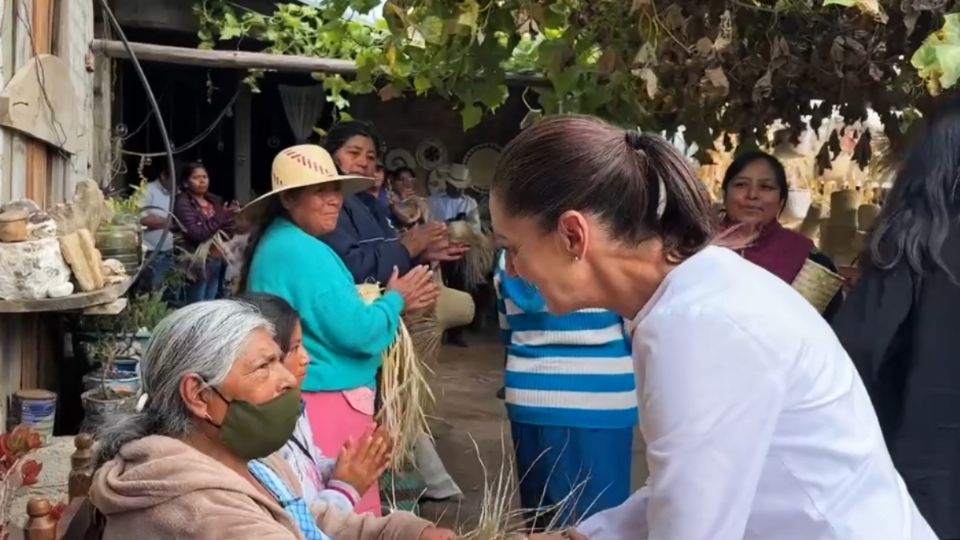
pixel 431 154
pixel 482 162
pixel 399 157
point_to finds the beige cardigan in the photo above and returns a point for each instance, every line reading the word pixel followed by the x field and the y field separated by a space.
pixel 158 488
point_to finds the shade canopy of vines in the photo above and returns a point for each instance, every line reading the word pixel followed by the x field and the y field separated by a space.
pixel 713 66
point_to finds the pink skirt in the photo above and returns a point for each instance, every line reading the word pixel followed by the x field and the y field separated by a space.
pixel 334 418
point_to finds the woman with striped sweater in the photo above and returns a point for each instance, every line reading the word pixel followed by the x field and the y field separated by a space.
pixel 571 400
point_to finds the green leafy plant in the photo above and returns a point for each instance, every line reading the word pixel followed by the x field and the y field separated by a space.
pixel 128 208
pixel 938 59
pixel 712 66
pixel 145 311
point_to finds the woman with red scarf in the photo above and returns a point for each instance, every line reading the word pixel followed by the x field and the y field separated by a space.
pixel 754 194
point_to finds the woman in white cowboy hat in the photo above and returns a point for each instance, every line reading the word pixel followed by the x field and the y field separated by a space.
pixel 343 335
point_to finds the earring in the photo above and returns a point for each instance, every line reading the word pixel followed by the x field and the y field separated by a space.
pixel 576 258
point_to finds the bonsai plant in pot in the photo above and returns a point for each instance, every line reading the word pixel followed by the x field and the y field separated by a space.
pixel 134 324
pixel 116 390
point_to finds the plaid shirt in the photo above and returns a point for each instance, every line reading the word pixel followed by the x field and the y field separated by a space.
pixel 295 506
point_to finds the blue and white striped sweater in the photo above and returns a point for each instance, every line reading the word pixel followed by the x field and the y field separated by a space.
pixel 573 370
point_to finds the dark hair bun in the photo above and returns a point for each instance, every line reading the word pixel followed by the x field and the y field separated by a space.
pixel 634 139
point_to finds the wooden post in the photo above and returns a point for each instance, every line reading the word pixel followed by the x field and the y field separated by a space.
pixel 81 467
pixel 41 525
pixel 242 187
pixel 38 156
pixel 37 172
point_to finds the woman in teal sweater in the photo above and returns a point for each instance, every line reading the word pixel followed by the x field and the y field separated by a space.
pixel 344 336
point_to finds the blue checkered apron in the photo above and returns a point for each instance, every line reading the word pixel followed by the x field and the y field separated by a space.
pixel 295 506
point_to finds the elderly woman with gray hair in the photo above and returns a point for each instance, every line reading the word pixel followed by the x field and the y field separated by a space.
pixel 198 460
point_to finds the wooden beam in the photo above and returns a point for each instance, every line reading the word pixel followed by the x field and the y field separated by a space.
pixel 42 22
pixel 148 52
pixel 38 156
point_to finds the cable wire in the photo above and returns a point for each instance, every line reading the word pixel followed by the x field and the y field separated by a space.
pixel 164 136
pixel 196 140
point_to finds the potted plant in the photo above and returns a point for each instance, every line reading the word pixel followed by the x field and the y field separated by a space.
pixel 118 365
pixel 91 329
pixel 121 239
pixel 145 312
pixel 113 390
pixel 16 471
pixel 134 324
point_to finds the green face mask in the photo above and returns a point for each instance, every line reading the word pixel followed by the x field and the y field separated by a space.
pixel 256 431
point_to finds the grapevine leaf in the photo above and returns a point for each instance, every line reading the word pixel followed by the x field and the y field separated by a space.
pixel 697 64
pixel 231 28
pixel 492 95
pixel 389 92
pixel 566 81
pixel 421 83
pixel 469 12
pixel 938 60
pixel 471 115
pixel 433 29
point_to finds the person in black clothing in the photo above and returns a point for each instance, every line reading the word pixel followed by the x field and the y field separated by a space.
pixel 899 324
pixel 365 237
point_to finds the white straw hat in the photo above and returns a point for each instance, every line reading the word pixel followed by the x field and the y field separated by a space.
pixel 456 175
pixel 302 166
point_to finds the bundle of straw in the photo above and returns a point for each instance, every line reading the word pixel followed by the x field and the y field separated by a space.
pixel 498 519
pixel 426 332
pixel 404 389
pixel 196 260
pixel 478 263
pixel 453 309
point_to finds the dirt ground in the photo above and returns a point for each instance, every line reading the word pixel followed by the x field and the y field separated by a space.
pixel 465 383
